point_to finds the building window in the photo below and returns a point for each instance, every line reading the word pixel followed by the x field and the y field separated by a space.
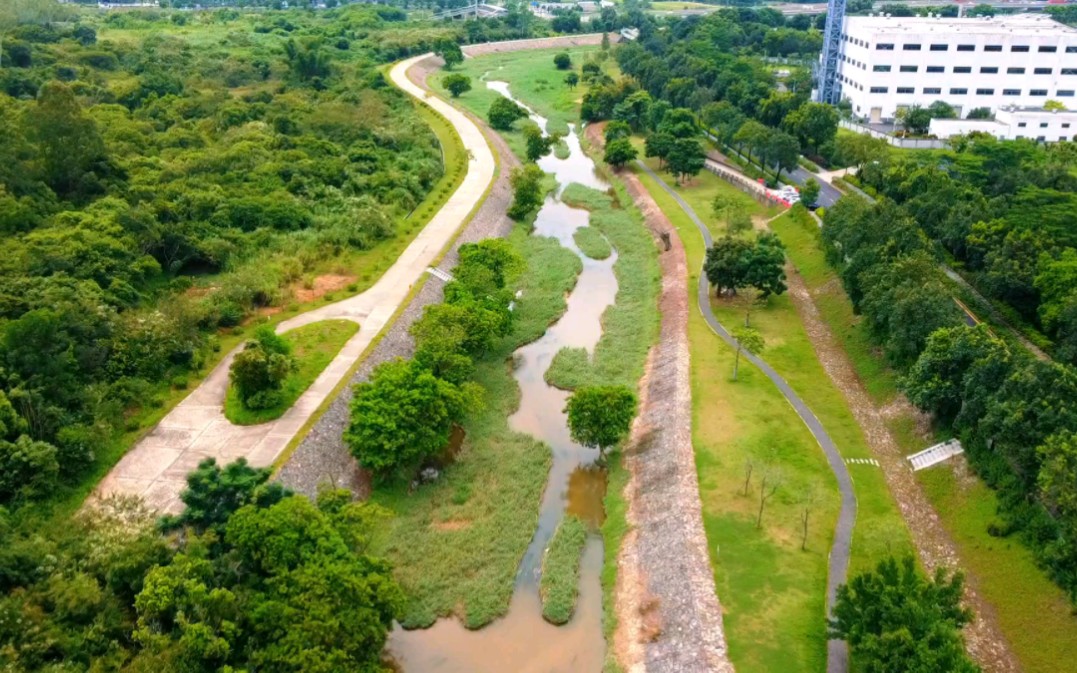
pixel 1022 48
pixel 1015 71
pixel 1066 125
pixel 936 68
pixel 1068 71
pixel 879 89
pixel 962 69
pixel 1042 71
pixel 881 68
pixel 958 92
pixel 1038 92
pixel 985 92
pixel 966 47
pixel 884 46
pixel 906 89
pixel 1043 125
pixel 940 47
pixel 989 71
pixel 1044 49
pixel 993 47
pixel 909 68
pixel 1041 139
pixel 932 90
pixel 1071 50
pixel 1022 125
pixel 1011 92
pixel 1064 93
pixel 1062 138
pixel 911 47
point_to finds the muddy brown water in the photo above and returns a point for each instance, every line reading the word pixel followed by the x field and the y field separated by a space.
pixel 522 641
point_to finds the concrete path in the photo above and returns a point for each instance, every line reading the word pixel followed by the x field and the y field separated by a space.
pixel 156 468
pixel 837 651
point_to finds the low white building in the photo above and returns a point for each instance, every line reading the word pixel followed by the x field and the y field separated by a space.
pixel 1012 123
pixel 889 63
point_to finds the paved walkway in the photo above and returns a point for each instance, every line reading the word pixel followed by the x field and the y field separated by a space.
pixel 837 652
pixel 156 468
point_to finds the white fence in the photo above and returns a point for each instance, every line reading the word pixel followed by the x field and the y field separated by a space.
pixel 904 143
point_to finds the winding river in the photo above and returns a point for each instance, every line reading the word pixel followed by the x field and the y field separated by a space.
pixel 522 641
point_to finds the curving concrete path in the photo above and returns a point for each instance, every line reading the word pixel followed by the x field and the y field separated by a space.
pixel 837 651
pixel 156 467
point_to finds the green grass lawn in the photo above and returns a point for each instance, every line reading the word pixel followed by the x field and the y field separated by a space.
pixel 561 571
pixel 314 346
pixel 456 543
pixel 766 583
pixel 1034 614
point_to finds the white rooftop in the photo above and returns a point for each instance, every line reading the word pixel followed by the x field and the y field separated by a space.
pixel 1013 24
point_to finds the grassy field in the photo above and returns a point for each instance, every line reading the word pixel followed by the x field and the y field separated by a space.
pixel 766 582
pixel 592 243
pixel 314 346
pixel 561 571
pixel 456 543
pixel 1033 613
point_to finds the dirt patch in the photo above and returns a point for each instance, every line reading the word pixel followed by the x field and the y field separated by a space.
pixel 322 286
pixel 451 525
pixel 986 643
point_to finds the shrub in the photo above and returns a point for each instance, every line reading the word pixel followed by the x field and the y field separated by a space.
pixel 563 61
pixel 258 372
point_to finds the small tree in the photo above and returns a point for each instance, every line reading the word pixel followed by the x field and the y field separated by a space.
pixel 600 416
pixel 809 193
pixel 808 504
pixel 572 79
pixel 725 264
pixel 503 112
pixel 456 84
pixel 605 41
pixel 781 151
pixel 563 61
pixel 620 152
pixel 748 339
pixel 615 130
pixel 449 52
pixel 686 158
pixel 538 144
pixel 659 145
pixel 526 184
pixel 259 370
pixel 738 222
pixel 772 481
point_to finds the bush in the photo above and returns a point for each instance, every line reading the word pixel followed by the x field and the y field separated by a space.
pixel 563 61
pixel 503 112
pixel 258 372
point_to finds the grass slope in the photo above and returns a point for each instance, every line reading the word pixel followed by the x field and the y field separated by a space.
pixel 314 347
pixel 766 583
pixel 1033 613
pixel 456 543
pixel 561 571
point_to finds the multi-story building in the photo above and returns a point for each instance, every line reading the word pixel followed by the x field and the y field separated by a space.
pixel 888 63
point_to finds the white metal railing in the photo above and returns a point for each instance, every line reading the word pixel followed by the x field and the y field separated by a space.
pixel 935 454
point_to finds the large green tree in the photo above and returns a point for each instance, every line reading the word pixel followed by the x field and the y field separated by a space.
pixel 402 415
pixel 69 143
pixel 898 621
pixel 600 416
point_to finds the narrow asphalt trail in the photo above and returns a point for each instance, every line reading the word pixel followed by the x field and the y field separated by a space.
pixel 837 651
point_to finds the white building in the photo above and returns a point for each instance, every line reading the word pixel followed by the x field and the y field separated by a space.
pixel 1012 123
pixel 888 63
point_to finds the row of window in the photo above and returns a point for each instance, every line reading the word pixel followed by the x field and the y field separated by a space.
pixel 985 70
pixel 1043 125
pixel 960 91
pixel 1016 48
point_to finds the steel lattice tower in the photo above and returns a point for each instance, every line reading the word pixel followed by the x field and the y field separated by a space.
pixel 829 88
